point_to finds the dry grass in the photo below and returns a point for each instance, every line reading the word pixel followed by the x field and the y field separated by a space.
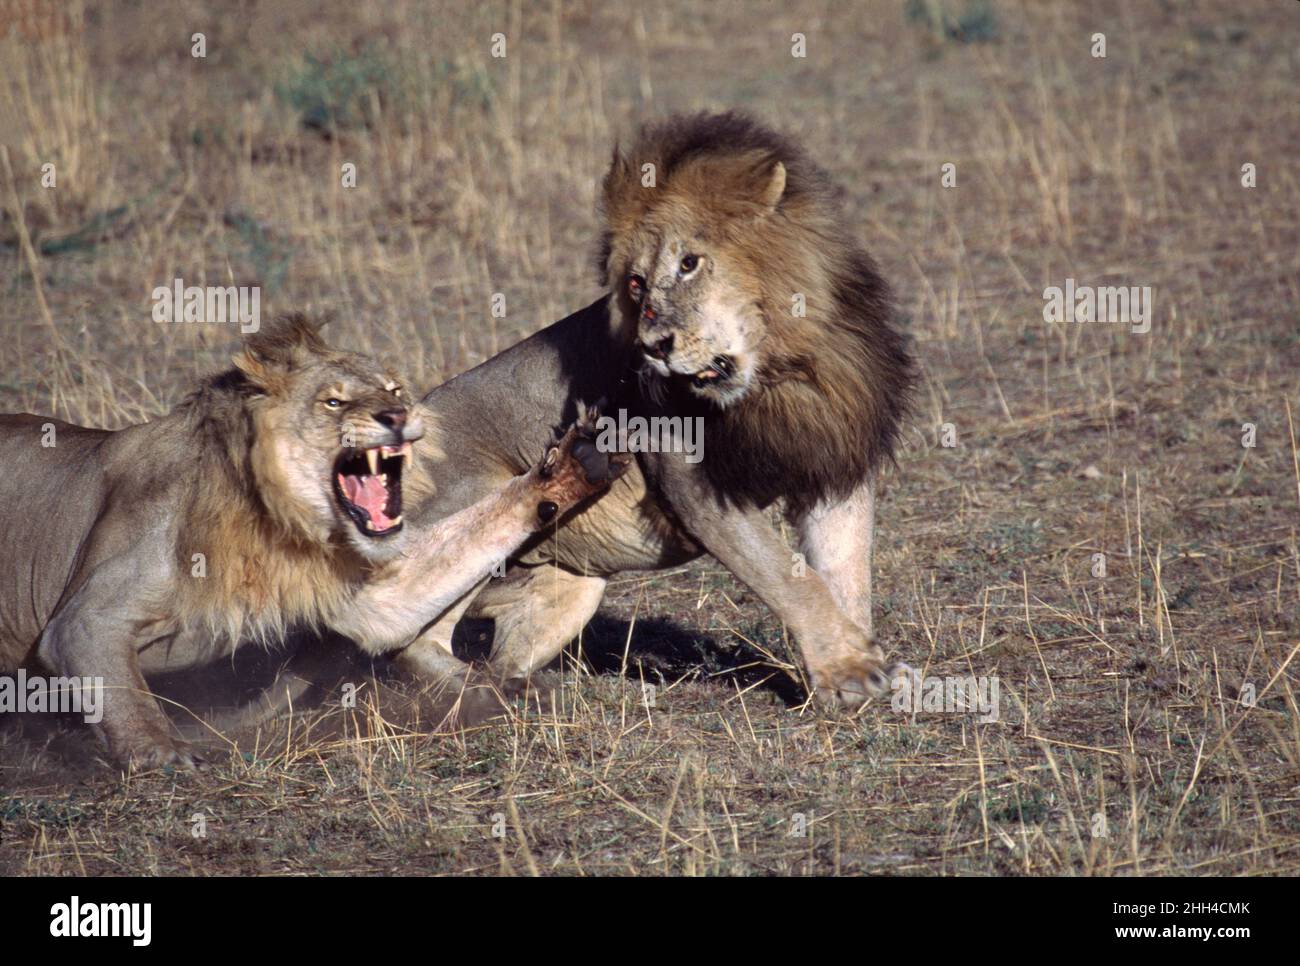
pixel 1120 696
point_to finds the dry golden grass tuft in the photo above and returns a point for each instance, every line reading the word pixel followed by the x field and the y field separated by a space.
pixel 1124 746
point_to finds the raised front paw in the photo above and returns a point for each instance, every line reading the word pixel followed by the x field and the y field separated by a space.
pixel 575 468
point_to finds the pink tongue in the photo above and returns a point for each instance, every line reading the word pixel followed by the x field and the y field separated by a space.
pixel 369 493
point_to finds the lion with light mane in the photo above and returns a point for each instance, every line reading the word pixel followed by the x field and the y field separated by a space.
pixel 278 494
pixel 736 294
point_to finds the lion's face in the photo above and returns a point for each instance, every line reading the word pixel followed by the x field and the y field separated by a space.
pixel 334 438
pixel 687 261
pixel 696 318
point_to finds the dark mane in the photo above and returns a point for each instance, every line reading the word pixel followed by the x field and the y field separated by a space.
pixel 837 383
pixel 828 421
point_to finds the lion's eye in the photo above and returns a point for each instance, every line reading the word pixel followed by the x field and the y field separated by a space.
pixel 635 287
pixel 689 264
pixel 333 403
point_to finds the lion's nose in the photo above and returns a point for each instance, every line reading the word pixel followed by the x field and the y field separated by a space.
pixel 394 419
pixel 660 349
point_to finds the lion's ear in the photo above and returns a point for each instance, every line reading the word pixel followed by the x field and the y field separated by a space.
pixel 619 185
pixel 274 350
pixel 774 187
pixel 287 338
pixel 260 371
pixel 618 168
pixel 757 178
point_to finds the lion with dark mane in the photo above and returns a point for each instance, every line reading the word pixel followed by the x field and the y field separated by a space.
pixel 736 296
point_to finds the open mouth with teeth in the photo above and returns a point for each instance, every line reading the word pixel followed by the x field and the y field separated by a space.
pixel 719 371
pixel 368 486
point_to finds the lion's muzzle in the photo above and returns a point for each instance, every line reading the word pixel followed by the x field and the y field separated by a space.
pixel 368 486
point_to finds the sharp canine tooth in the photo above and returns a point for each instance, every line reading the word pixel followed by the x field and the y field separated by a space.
pixel 372 456
pixel 407 455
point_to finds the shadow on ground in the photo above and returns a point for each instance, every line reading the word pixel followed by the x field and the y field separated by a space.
pixel 661 650
pixel 206 703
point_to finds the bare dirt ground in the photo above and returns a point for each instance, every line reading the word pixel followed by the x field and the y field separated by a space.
pixel 1148 716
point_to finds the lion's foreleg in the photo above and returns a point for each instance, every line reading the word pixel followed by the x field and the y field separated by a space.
pixel 844 665
pixel 93 638
pixel 836 538
pixel 435 639
pixel 451 556
pixel 429 658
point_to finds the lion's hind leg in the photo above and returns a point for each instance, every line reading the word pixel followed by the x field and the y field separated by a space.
pixel 537 611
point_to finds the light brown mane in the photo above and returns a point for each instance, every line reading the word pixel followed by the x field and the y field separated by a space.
pixel 266 568
pixel 262 574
